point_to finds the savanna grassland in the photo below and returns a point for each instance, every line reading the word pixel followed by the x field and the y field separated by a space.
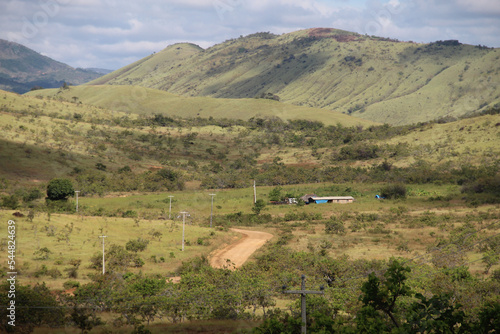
pixel 435 233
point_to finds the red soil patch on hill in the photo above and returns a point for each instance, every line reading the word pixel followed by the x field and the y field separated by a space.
pixel 321 32
pixel 329 33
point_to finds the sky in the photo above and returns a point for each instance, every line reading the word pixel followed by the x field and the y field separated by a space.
pixel 110 34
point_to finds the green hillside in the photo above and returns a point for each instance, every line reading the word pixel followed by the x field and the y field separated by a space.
pixel 369 77
pixel 22 69
pixel 146 101
pixel 73 132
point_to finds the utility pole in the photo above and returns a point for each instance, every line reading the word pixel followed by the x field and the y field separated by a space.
pixel 103 263
pixel 170 207
pixel 303 292
pixel 183 225
pixel 76 192
pixel 254 193
pixel 211 209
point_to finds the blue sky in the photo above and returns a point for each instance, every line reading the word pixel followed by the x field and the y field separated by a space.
pixel 113 33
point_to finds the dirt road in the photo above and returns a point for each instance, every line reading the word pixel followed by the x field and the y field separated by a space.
pixel 241 250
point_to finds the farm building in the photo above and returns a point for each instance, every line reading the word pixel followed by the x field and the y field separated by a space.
pixel 312 198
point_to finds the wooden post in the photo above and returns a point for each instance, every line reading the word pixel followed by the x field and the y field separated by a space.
pixel 303 292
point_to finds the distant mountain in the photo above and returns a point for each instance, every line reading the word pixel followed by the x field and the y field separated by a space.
pixel 22 69
pixel 379 79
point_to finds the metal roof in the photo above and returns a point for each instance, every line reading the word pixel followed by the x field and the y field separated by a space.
pixel 329 198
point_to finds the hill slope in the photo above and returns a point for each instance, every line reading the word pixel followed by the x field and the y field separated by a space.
pixel 146 101
pixel 46 137
pixel 22 69
pixel 373 78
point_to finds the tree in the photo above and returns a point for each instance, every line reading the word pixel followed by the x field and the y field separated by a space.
pixel 34 307
pixel 59 189
pixel 85 319
pixel 258 206
pixel 275 194
pixel 382 295
pixel 489 319
pixel 435 315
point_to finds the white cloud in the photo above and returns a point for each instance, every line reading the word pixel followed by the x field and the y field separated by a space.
pixel 486 7
pixel 134 27
pixel 132 47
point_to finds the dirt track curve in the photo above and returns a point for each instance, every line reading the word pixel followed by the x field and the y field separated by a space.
pixel 240 251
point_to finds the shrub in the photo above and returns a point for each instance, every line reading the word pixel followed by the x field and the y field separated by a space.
pixel 59 189
pixel 129 214
pixel 71 284
pixel 54 273
pixel 100 166
pixel 167 174
pixel 489 187
pixel 124 169
pixel 269 96
pixel 32 195
pixel 135 156
pixel 42 253
pixel 10 202
pixel 117 259
pixel 138 245
pixel 289 216
pixel 393 191
pixel 403 247
pixel 334 225
pixel 72 272
pixel 155 234
pixel 359 151
pixel 496 275
pixel 40 271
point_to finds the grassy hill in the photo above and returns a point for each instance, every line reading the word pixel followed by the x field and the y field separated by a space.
pixel 145 101
pixel 21 69
pixel 215 142
pixel 368 77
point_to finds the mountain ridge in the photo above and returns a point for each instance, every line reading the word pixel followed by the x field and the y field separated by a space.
pixel 22 69
pixel 379 79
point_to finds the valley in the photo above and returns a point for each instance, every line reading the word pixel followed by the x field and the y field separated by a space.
pixel 410 131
